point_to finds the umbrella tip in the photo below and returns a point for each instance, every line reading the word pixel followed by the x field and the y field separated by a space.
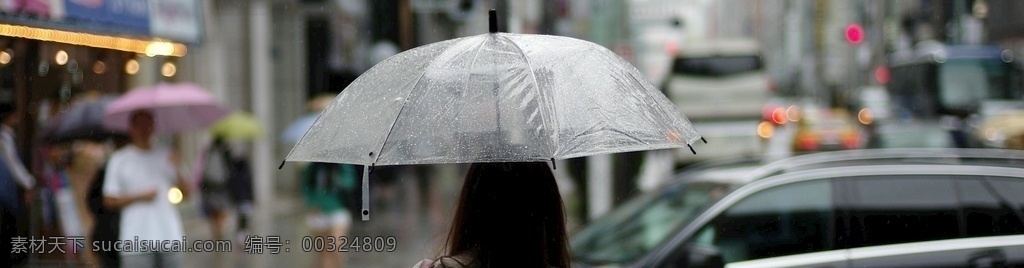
pixel 691 149
pixel 281 166
pixel 553 166
pixel 702 139
pixel 493 15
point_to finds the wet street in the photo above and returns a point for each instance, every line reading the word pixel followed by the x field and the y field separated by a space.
pixel 418 234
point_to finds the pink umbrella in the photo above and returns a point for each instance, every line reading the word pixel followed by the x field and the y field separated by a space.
pixel 175 108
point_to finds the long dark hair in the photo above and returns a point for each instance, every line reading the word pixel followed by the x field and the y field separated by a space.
pixel 510 215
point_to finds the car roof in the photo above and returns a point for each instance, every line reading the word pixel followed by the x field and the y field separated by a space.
pixel 744 170
pixel 945 156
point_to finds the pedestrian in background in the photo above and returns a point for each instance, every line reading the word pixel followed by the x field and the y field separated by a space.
pixel 137 180
pixel 213 179
pixel 16 185
pixel 225 183
pixel 507 215
pixel 327 190
pixel 107 220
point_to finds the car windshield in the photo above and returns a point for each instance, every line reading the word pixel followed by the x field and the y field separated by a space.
pixel 967 82
pixel 642 224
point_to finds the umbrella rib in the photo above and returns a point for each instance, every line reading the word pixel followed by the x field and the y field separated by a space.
pixel 536 87
pixel 405 100
pixel 472 66
pixel 647 96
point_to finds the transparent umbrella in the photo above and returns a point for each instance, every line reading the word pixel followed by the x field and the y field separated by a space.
pixel 495 97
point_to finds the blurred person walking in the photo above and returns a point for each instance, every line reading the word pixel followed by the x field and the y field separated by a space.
pixel 55 175
pixel 107 223
pixel 16 185
pixel 327 189
pixel 137 179
pixel 507 215
pixel 213 185
pixel 225 182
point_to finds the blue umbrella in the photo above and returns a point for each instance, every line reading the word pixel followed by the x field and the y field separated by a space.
pixel 298 128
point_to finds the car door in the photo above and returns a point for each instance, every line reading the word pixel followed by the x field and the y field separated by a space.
pixel 931 220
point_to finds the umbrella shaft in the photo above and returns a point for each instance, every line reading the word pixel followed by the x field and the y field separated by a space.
pixel 366 193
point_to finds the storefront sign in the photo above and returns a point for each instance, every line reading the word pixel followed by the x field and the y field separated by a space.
pixel 131 16
pixel 175 20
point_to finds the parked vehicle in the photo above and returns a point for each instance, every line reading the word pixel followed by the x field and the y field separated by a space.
pixel 721 86
pixel 827 130
pixel 861 208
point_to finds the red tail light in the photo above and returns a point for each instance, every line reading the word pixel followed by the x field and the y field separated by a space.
pixel 779 116
pixel 774 114
pixel 807 142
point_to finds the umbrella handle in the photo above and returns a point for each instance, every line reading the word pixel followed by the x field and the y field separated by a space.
pixel 366 193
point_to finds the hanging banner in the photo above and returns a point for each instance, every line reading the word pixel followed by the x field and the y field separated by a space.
pixel 176 19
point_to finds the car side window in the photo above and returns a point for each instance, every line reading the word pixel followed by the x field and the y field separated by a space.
pixel 984 214
pixel 1011 190
pixel 901 209
pixel 784 220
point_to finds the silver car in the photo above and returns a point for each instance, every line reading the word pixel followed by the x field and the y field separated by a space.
pixel 874 208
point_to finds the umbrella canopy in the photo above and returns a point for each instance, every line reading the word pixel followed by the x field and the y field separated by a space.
pixel 238 125
pixel 297 128
pixel 175 108
pixel 492 98
pixel 83 120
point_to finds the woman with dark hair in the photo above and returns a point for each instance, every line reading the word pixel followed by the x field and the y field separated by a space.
pixel 508 215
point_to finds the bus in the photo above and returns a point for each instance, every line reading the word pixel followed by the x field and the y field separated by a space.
pixel 952 84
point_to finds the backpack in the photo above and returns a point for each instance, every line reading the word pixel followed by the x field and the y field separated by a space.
pixel 240 180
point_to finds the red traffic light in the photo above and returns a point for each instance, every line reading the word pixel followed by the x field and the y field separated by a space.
pixel 854 34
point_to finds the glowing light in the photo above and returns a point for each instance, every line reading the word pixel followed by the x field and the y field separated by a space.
pixel 159 49
pixel 168 69
pixel 61 58
pixel 5 57
pixel 865 117
pixel 992 134
pixel 882 75
pixel 779 116
pixel 90 40
pixel 99 67
pixel 765 130
pixel 175 196
pixel 131 67
pixel 793 113
pixel 672 136
pixel 854 34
